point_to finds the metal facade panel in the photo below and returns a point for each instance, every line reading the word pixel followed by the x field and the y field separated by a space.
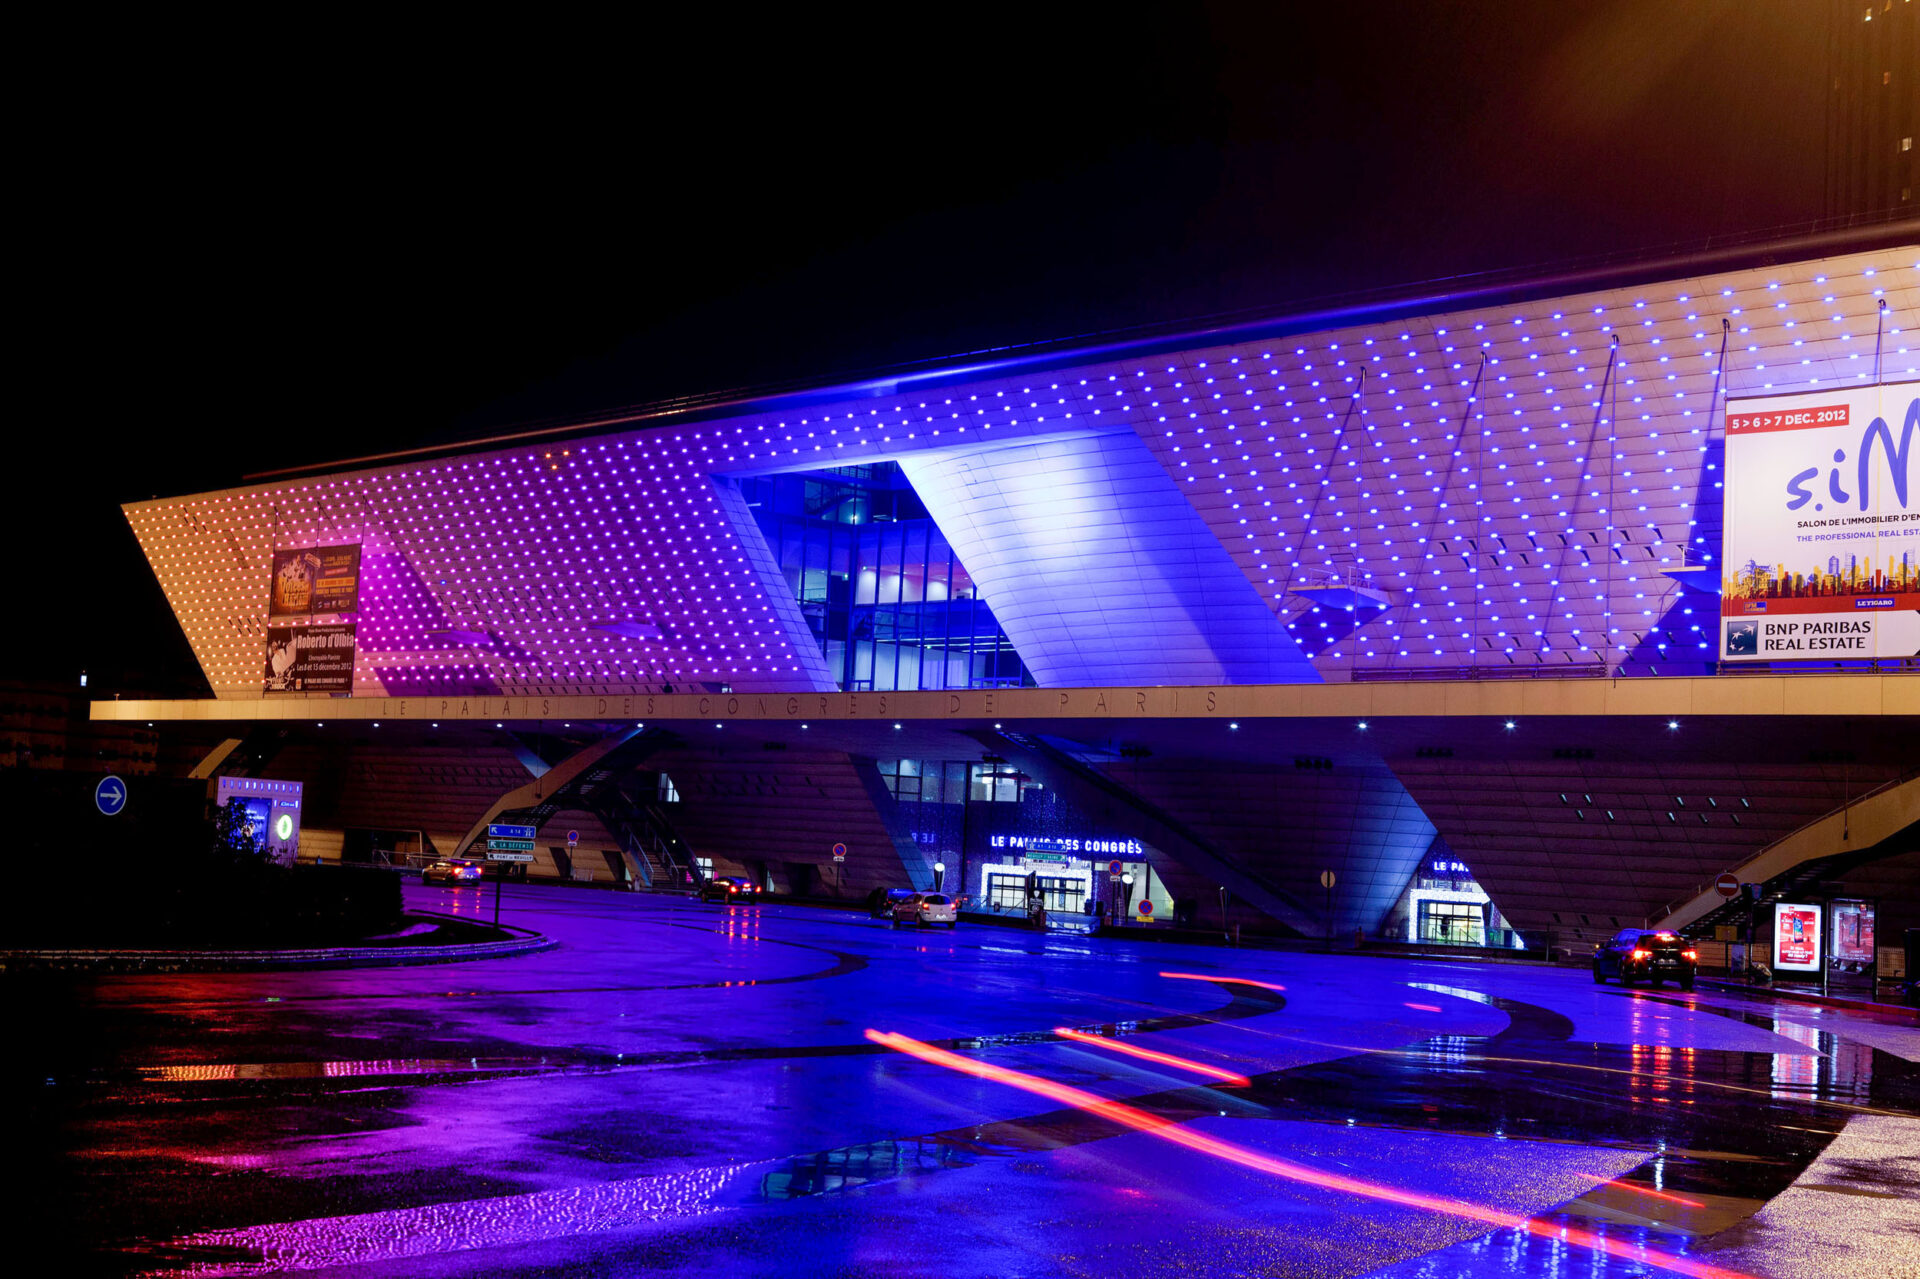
pixel 1097 566
pixel 1526 526
pixel 1622 842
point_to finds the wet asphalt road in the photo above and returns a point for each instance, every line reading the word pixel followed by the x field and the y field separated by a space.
pixel 692 1089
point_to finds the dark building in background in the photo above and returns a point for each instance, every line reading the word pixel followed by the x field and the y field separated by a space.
pixel 1873 113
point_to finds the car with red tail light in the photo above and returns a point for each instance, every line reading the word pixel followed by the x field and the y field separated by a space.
pixel 1646 955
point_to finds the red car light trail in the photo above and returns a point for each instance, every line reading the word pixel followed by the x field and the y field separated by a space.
pixel 1167 1130
pixel 1648 1191
pixel 1148 1054
pixel 1237 981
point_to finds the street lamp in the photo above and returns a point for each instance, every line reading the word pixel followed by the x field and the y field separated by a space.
pixel 939 876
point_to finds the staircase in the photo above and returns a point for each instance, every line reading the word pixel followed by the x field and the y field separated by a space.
pixel 1882 823
pixel 589 779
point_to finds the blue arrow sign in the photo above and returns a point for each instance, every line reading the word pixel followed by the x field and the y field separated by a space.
pixel 110 795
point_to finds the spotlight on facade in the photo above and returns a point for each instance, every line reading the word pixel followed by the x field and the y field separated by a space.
pixel 1673 723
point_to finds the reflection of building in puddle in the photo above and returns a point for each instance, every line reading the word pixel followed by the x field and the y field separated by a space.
pixel 1831 1068
pixel 851 1167
pixel 213 1072
pixel 1446 1050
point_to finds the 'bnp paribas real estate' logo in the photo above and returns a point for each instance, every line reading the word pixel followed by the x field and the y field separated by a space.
pixel 1743 639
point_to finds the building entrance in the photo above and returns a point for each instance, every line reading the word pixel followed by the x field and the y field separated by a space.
pixel 1058 895
pixel 1452 923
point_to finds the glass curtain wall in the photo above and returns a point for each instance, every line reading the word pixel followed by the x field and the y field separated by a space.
pixel 889 602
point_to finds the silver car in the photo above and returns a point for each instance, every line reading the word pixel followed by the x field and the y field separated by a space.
pixel 927 908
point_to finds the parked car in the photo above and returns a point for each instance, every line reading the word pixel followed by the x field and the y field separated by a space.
pixel 881 901
pixel 926 908
pixel 1641 954
pixel 728 888
pixel 451 871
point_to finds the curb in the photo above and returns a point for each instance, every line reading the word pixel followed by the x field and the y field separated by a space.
pixel 1797 997
pixel 174 961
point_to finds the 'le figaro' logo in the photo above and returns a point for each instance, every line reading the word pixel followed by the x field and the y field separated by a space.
pixel 1898 456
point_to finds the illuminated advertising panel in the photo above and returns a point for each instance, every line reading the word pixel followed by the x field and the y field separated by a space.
pixel 272 808
pixel 315 579
pixel 1821 553
pixel 310 659
pixel 1853 931
pixel 1796 938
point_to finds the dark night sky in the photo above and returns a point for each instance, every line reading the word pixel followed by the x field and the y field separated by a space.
pixel 350 240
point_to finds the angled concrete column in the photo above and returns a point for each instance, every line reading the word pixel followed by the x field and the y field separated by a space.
pixel 571 783
pixel 1102 798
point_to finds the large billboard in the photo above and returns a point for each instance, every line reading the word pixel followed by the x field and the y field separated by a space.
pixel 1821 556
pixel 310 659
pixel 315 579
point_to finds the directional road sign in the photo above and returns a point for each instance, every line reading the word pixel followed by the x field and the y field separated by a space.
pixel 515 845
pixel 110 795
pixel 508 857
pixel 498 830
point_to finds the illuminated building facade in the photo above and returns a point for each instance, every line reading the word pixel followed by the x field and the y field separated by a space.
pixel 1519 484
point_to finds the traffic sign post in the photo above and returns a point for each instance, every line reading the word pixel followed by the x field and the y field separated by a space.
pixel 507 842
pixel 839 852
pixel 1727 886
pixel 573 839
pixel 110 796
pixel 1327 880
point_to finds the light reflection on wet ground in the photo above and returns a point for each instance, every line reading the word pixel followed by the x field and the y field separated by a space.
pixel 673 1062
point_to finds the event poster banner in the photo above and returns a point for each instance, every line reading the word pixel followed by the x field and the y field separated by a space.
pixel 310 659
pixel 1821 556
pixel 1796 938
pixel 315 579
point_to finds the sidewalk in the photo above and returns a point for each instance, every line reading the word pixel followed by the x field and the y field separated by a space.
pixel 520 941
pixel 1809 997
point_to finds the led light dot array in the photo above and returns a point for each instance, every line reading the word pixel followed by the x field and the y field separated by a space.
pixel 1529 521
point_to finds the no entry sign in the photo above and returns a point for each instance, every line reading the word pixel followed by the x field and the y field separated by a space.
pixel 1727 885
